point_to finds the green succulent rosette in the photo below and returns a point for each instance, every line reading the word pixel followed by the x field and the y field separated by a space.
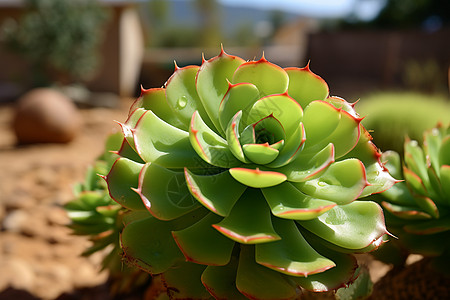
pixel 242 180
pixel 418 208
pixel 94 214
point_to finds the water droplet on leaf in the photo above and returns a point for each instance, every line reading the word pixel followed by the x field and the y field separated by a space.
pixel 181 102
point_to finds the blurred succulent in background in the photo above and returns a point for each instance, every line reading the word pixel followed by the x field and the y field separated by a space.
pixel 241 180
pixel 93 213
pixel 418 209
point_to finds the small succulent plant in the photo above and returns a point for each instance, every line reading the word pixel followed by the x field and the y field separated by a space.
pixel 93 213
pixel 242 179
pixel 418 209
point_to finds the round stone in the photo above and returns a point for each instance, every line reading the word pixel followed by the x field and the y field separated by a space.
pixel 45 115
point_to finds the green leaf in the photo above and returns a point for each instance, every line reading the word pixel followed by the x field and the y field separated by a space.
pixel 155 252
pixel 155 100
pixel 291 149
pixel 182 95
pixel 414 181
pixel 248 223
pixel 405 212
pixel 183 282
pixel 292 255
pixel 202 244
pixel 267 77
pixel 282 107
pixel 320 120
pixel 260 153
pixel 212 83
pixel 221 281
pixel 378 179
pixel 211 147
pixel 165 192
pixel 288 202
pixel 428 227
pixel 445 181
pixel 122 179
pixel 345 136
pixel 210 191
pixel 444 151
pixel 342 182
pixel 239 97
pixel 258 282
pixel 352 226
pixel 360 289
pixel 333 278
pixel 161 143
pixel 307 167
pixel 256 178
pixel 305 86
pixel 233 137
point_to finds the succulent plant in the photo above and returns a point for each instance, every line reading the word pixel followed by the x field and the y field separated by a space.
pixel 93 213
pixel 241 179
pixel 418 209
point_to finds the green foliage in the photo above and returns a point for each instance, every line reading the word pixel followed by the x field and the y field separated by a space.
pixel 360 289
pixel 94 214
pixel 418 209
pixel 393 115
pixel 58 35
pixel 238 168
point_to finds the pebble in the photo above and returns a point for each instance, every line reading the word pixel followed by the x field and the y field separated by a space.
pixel 16 273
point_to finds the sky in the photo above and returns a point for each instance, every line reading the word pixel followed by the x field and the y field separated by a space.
pixel 366 9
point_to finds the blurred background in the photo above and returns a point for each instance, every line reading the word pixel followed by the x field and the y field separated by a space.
pixel 91 57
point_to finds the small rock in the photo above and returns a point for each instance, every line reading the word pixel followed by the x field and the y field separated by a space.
pixel 45 115
pixel 15 221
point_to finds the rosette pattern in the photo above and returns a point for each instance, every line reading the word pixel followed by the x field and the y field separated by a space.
pixel 418 209
pixel 241 180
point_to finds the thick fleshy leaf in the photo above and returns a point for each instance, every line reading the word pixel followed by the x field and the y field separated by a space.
pixel 256 178
pixel 414 182
pixel 210 191
pixel 291 148
pixel 258 282
pixel 352 226
pixel 445 181
pixel 331 279
pixel 182 95
pixel 121 179
pixel 127 151
pixel 212 82
pixel 288 202
pixel 282 107
pixel 130 124
pixel 210 146
pixel 342 182
pixel 155 100
pixel 405 212
pixel 248 223
pixel 165 192
pixel 260 153
pixel 444 151
pixel 428 227
pixel 233 137
pixel 202 244
pixel 305 86
pixel 345 136
pixel 341 103
pixel 221 281
pixel 239 97
pixel 183 282
pixel 378 179
pixel 292 255
pixel 155 252
pixel 161 143
pixel 267 77
pixel 432 143
pixel 269 130
pixel 427 205
pixel 320 120
pixel 306 167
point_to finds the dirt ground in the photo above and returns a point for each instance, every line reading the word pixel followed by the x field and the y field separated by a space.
pixel 39 258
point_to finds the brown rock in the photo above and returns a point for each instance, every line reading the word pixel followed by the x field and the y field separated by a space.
pixel 45 115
